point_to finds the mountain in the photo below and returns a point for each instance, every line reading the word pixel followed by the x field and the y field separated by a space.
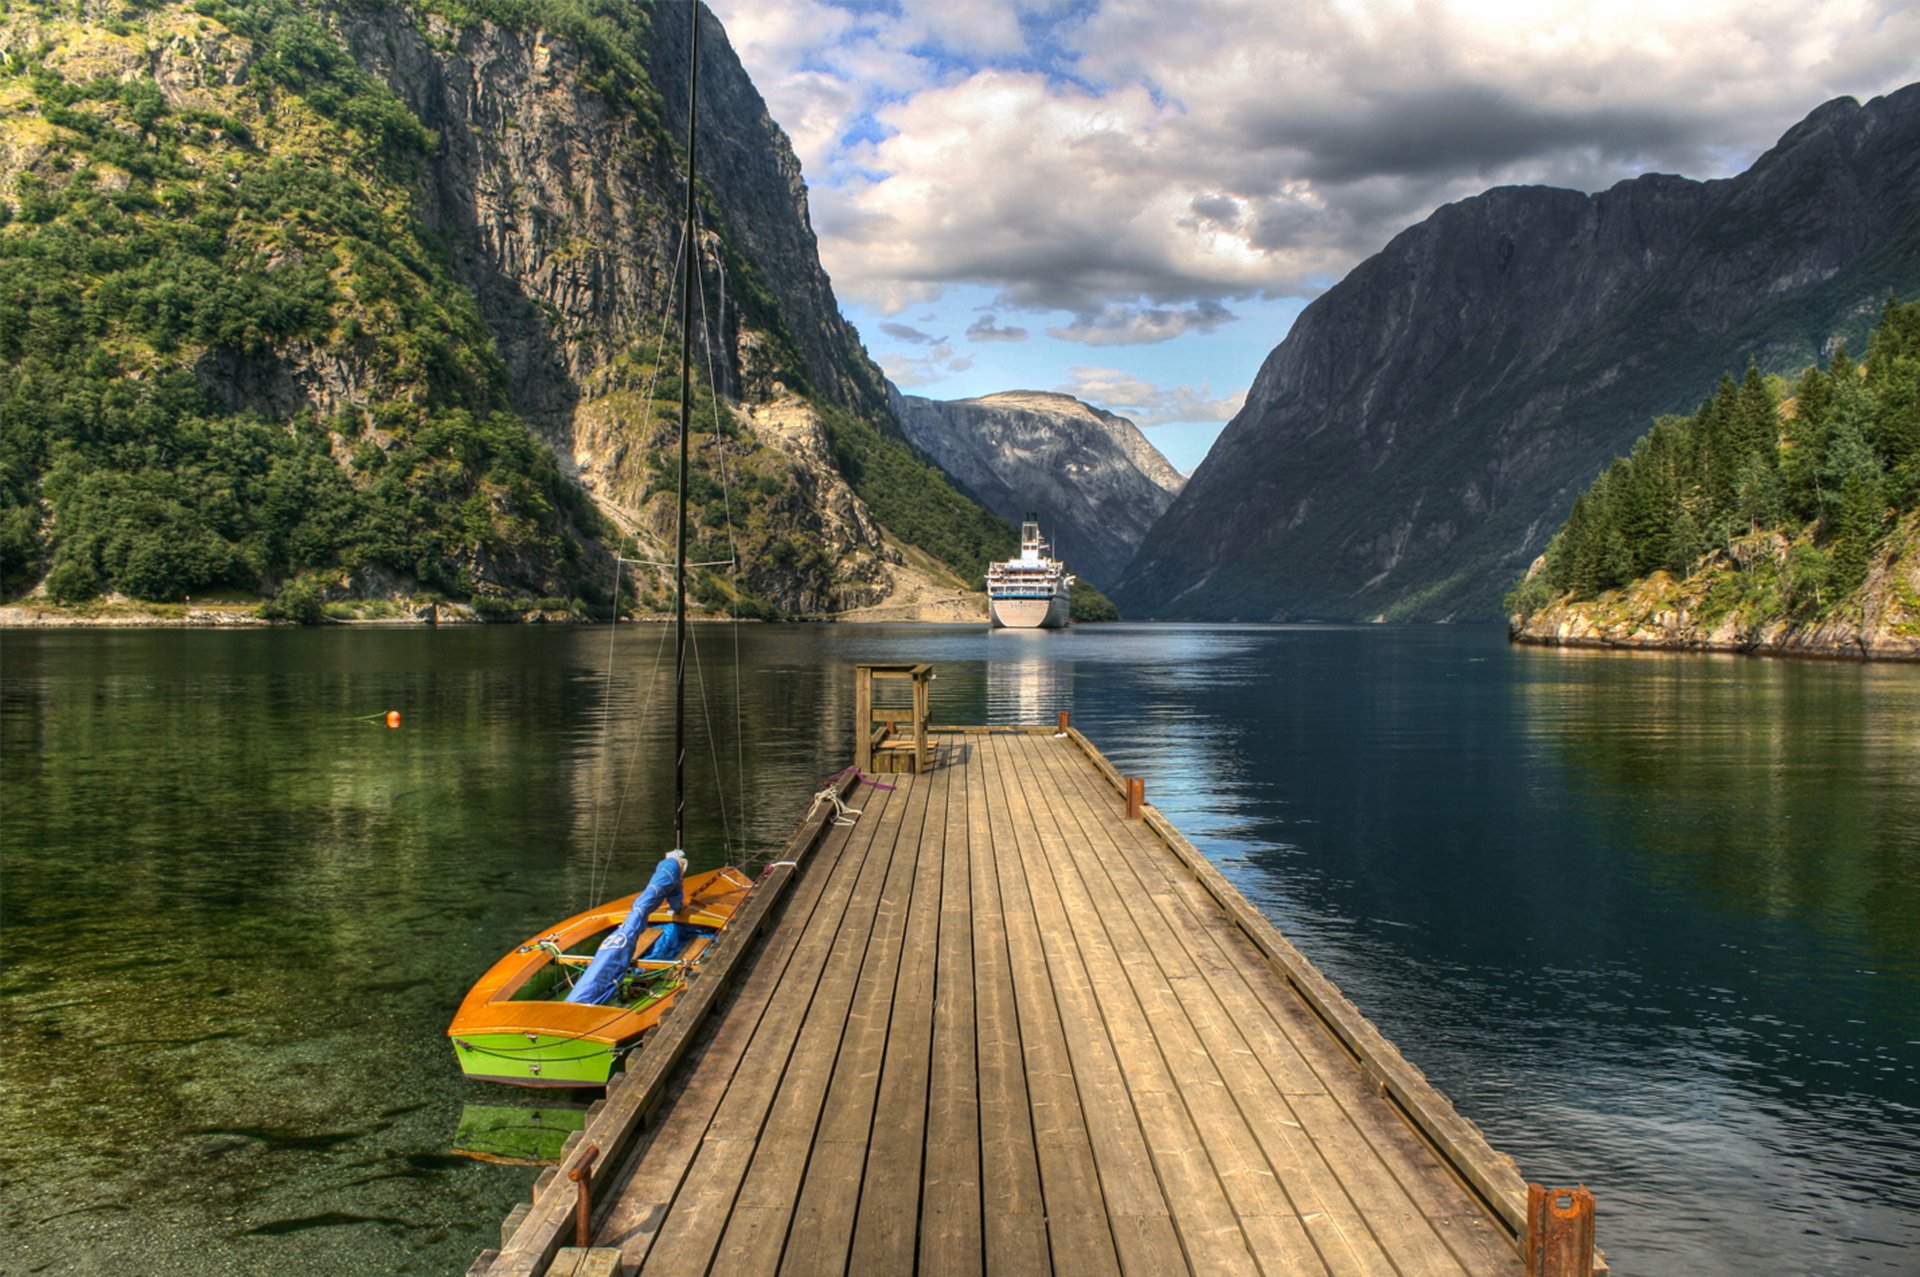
pixel 1091 477
pixel 1426 424
pixel 378 296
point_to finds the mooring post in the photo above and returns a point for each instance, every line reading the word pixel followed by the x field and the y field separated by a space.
pixel 1065 718
pixel 582 1174
pixel 1136 796
pixel 1559 1231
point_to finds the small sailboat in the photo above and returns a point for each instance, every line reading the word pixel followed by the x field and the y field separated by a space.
pixel 517 1024
pixel 565 1005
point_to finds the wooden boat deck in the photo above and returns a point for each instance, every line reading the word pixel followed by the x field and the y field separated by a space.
pixel 997 1027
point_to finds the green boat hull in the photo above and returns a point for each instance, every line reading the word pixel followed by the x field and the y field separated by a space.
pixel 535 1059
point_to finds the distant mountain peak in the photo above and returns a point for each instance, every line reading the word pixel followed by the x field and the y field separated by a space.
pixel 1092 477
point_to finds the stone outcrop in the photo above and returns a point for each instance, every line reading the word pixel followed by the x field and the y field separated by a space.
pixel 1425 426
pixel 1090 476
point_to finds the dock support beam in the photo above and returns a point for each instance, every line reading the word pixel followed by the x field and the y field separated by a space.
pixel 1559 1231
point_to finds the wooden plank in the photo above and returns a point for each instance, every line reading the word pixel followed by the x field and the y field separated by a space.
pixel 613 1130
pixel 822 1229
pixel 951 1236
pixel 747 1065
pixel 756 1234
pixel 887 1227
pixel 1079 1234
pixel 1187 1159
pixel 1380 1159
pixel 1459 1141
pixel 1014 1220
pixel 653 1176
pixel 1309 1189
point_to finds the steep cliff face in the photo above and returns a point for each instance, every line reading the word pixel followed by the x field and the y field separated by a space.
pixel 405 234
pixel 1095 482
pixel 1424 427
pixel 559 202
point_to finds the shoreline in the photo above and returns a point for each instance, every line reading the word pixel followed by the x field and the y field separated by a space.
pixel 1859 652
pixel 32 617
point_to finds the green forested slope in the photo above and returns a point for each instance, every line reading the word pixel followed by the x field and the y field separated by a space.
pixel 1776 501
pixel 192 193
pixel 144 237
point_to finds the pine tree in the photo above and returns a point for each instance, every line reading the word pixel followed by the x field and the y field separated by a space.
pixel 1805 447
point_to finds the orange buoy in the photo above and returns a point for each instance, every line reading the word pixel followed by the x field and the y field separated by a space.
pixel 393 718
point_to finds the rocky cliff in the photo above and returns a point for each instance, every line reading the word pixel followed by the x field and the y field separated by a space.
pixel 1426 424
pixel 1091 477
pixel 482 203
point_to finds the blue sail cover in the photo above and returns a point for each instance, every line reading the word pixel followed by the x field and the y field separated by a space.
pixel 615 954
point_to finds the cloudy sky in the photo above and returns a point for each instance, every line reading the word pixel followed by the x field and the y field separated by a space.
pixel 1130 200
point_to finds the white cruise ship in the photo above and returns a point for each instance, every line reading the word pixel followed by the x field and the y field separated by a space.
pixel 1030 592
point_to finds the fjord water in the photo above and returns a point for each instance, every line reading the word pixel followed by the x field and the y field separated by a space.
pixel 1652 921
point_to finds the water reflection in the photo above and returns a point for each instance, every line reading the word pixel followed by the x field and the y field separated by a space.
pixel 1652 922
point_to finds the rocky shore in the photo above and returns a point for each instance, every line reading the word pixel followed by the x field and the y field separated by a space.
pixel 1733 606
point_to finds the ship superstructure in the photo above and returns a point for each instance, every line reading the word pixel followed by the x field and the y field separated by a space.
pixel 1030 592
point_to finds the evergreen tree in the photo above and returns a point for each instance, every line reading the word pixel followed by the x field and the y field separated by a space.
pixel 1827 470
pixel 1852 480
pixel 1805 446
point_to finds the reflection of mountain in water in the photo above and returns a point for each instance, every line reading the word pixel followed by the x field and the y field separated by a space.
pixel 1779 789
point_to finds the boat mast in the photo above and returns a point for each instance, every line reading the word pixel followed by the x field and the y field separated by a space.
pixel 689 247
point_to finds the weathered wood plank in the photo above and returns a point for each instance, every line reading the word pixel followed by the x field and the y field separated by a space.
pixel 1182 1160
pixel 756 1234
pixel 1467 1150
pixel 753 1070
pixel 1080 1235
pixel 1218 1013
pixel 887 1227
pixel 648 1184
pixel 822 1229
pixel 1377 1160
pixel 951 1229
pixel 1014 1219
pixel 1129 1188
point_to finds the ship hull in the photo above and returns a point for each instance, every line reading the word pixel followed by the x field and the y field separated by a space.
pixel 1031 614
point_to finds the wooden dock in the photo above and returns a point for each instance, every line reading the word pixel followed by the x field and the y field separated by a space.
pixel 995 1026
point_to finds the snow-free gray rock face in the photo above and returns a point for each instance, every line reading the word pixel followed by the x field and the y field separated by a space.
pixel 1422 431
pixel 1091 477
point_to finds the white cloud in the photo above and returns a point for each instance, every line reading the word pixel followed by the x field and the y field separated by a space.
pixel 1141 325
pixel 1133 157
pixel 1145 403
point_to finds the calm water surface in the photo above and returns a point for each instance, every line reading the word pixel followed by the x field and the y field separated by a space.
pixel 1653 922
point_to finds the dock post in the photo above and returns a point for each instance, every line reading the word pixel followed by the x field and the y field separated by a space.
pixel 583 1217
pixel 1065 720
pixel 1559 1237
pixel 1136 796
